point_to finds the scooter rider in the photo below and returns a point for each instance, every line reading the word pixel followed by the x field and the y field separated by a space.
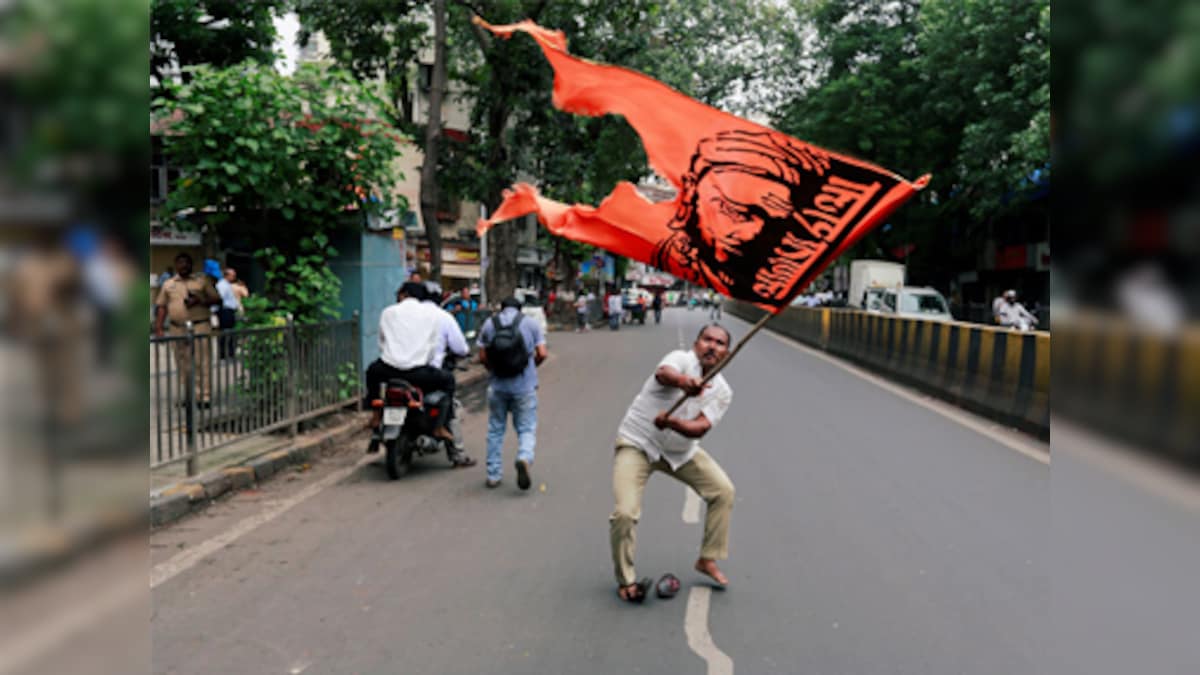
pixel 1012 314
pixel 408 333
pixel 450 342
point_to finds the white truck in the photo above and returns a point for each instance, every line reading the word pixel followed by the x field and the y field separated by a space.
pixel 869 278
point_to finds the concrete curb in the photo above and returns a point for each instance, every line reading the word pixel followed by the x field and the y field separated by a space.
pixel 173 502
pixel 176 501
pixel 44 549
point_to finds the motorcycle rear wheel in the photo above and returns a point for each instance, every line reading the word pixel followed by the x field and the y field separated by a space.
pixel 398 460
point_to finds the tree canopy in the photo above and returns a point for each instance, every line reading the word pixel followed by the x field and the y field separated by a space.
pixel 215 32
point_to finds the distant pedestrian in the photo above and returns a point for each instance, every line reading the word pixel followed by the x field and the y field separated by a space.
pixel 658 306
pixel 463 308
pixel 714 313
pixel 615 310
pixel 581 312
pixel 227 314
pixel 511 348
pixel 242 292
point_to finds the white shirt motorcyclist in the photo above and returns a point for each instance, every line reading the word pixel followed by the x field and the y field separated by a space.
pixel 1013 314
pixel 408 334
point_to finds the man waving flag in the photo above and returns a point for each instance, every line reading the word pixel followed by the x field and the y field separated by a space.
pixel 757 214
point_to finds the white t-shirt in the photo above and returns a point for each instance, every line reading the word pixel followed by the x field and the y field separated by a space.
pixel 615 305
pixel 408 334
pixel 638 426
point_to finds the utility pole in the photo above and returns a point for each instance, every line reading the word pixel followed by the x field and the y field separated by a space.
pixel 483 261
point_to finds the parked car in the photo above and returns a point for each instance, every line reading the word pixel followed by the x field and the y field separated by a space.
pixel 914 302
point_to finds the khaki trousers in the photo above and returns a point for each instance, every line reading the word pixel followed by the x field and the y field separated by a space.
pixel 631 470
pixel 183 360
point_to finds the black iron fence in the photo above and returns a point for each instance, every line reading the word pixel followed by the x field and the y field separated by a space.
pixel 211 388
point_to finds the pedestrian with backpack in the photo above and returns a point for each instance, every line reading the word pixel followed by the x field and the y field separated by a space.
pixel 511 348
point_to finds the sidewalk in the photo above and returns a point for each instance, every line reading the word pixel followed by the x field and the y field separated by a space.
pixel 257 458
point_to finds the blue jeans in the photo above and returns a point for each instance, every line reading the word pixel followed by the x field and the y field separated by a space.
pixel 524 413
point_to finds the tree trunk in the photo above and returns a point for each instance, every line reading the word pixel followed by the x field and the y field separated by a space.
pixel 502 273
pixel 433 132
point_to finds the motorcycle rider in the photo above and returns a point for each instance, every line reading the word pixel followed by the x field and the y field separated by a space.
pixel 450 341
pixel 408 333
pixel 1012 314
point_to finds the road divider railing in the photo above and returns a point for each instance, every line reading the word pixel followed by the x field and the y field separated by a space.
pixel 999 373
pixel 1131 382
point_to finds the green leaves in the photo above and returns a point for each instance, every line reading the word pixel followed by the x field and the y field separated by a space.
pixel 291 152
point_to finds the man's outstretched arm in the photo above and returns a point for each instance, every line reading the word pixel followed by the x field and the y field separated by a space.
pixel 669 377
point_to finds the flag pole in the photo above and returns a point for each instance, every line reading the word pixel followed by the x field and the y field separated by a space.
pixel 724 362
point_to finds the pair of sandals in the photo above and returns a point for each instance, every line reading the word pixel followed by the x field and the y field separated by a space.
pixel 667 587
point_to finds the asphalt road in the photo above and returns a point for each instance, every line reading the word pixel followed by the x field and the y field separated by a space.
pixel 871 534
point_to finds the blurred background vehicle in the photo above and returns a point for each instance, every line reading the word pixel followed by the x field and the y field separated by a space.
pixel 915 302
pixel 868 278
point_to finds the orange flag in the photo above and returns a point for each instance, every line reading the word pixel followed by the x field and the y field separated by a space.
pixel 757 214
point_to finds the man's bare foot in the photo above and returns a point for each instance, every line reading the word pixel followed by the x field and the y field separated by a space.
pixel 709 569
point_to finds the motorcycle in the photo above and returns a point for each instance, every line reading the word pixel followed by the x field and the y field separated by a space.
pixel 409 419
pixel 1023 325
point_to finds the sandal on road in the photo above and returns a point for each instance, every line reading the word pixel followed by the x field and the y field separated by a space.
pixel 463 461
pixel 636 593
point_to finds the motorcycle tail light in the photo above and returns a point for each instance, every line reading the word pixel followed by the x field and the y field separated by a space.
pixel 433 412
pixel 376 403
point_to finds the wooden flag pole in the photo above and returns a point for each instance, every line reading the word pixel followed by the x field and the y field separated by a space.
pixel 724 362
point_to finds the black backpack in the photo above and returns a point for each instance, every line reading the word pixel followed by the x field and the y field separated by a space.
pixel 506 353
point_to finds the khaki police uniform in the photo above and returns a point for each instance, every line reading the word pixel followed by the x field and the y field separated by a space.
pixel 172 296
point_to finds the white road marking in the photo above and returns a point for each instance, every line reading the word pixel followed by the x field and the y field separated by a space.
pixel 695 624
pixel 167 570
pixel 993 431
pixel 691 505
pixel 679 334
pixel 695 621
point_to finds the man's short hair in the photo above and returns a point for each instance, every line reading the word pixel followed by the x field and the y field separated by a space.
pixel 184 256
pixel 510 301
pixel 723 329
pixel 413 289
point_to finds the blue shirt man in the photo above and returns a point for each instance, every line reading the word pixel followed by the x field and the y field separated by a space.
pixel 517 395
pixel 463 308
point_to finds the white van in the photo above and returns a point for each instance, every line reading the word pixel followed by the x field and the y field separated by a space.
pixel 912 302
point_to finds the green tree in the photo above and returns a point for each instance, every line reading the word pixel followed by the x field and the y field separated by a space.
pixel 959 89
pixel 377 41
pixel 215 32
pixel 280 161
pixel 712 51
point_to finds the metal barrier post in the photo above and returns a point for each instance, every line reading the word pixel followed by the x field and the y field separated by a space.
pixel 192 445
pixel 356 333
pixel 291 363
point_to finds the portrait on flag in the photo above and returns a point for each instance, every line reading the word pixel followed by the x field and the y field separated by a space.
pixel 757 210
pixel 757 214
